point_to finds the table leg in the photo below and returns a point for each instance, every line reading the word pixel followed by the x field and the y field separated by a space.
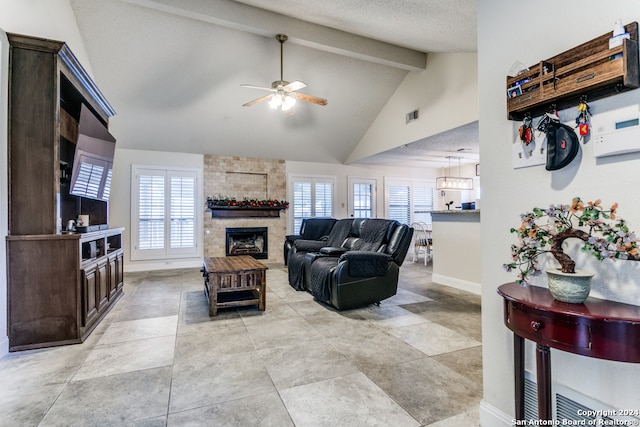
pixel 518 370
pixel 262 305
pixel 543 369
pixel 213 301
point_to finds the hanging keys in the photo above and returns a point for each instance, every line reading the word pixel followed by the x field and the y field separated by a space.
pixel 525 130
pixel 582 121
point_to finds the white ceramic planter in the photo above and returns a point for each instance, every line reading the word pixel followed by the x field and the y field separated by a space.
pixel 570 287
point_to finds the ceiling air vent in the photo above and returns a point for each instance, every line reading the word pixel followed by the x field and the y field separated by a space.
pixel 411 116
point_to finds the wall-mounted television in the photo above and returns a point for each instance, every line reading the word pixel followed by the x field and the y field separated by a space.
pixel 93 158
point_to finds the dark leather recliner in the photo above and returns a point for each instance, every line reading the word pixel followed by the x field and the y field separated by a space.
pixel 300 247
pixel 310 229
pixel 364 270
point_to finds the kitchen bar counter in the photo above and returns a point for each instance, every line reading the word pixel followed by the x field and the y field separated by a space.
pixel 456 248
pixel 457 211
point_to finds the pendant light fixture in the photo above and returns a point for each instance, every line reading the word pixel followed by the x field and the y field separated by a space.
pixel 454 182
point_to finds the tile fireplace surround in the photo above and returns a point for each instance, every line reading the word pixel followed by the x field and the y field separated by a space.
pixel 241 177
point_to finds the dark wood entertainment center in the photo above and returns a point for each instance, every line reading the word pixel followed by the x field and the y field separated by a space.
pixel 59 285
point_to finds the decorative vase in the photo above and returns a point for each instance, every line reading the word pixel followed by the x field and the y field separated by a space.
pixel 569 287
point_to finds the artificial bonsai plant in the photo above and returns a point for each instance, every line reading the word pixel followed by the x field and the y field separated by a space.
pixel 603 233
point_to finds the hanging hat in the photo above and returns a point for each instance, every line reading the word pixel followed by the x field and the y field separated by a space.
pixel 562 146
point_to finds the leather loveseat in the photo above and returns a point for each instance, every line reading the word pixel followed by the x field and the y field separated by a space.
pixel 361 269
pixel 310 229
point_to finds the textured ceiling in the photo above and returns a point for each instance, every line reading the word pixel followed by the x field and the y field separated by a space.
pixel 173 69
pixel 423 25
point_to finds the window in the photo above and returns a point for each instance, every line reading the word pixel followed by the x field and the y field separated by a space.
pixel 164 222
pixel 410 201
pixel 362 197
pixel 311 197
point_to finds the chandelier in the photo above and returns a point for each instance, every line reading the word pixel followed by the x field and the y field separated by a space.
pixel 456 183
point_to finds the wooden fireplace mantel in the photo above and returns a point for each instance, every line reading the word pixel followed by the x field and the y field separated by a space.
pixel 243 212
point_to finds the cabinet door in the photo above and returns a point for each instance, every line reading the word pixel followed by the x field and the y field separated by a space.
pixel 113 276
pixel 119 269
pixel 89 308
pixel 102 285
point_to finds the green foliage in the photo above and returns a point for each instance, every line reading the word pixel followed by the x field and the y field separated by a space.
pixel 543 231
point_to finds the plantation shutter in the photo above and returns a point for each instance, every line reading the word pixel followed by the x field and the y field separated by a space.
pixel 312 197
pixel 151 212
pixel 400 203
pixel 301 203
pixel 182 210
pixel 164 206
pixel 324 199
pixel 422 203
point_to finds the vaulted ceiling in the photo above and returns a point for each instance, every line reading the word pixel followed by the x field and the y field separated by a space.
pixel 173 69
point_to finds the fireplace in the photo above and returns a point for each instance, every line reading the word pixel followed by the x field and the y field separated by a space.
pixel 247 241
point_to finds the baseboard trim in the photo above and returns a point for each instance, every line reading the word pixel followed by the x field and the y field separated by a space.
pixel 490 416
pixel 137 266
pixel 4 346
pixel 464 285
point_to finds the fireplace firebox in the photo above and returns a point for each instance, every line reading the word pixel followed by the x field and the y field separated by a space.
pixel 247 241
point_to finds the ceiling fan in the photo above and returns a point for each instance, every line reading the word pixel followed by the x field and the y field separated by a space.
pixel 283 94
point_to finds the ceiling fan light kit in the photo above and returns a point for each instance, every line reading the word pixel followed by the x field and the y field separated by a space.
pixel 283 94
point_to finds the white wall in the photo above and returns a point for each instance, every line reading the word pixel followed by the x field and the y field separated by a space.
pixel 51 19
pixel 456 243
pixel 516 31
pixel 120 201
pixel 445 92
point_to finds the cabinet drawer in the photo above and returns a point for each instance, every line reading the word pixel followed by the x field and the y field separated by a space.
pixel 554 331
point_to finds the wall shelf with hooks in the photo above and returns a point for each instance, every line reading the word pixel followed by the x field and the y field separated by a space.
pixel 591 69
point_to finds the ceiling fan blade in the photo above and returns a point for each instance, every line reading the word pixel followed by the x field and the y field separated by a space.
pixel 296 85
pixel 257 87
pixel 309 98
pixel 255 101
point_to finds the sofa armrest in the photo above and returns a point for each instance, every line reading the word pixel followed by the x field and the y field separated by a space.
pixel 309 245
pixel 366 264
pixel 333 250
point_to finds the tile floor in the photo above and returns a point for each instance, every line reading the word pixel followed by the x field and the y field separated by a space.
pixel 157 359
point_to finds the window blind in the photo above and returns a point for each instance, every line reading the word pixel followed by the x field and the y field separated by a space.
pixel 400 203
pixel 422 204
pixel 312 197
pixel 164 207
pixel 151 212
pixel 182 212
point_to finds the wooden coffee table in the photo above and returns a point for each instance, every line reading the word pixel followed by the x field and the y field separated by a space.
pixel 234 281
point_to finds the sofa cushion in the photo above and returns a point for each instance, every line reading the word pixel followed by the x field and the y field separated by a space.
pixel 316 228
pixel 339 232
pixel 372 235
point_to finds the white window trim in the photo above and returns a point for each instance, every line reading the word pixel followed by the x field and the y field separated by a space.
pixel 165 254
pixel 291 178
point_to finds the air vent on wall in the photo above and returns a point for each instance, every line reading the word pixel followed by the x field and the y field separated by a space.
pixel 411 116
